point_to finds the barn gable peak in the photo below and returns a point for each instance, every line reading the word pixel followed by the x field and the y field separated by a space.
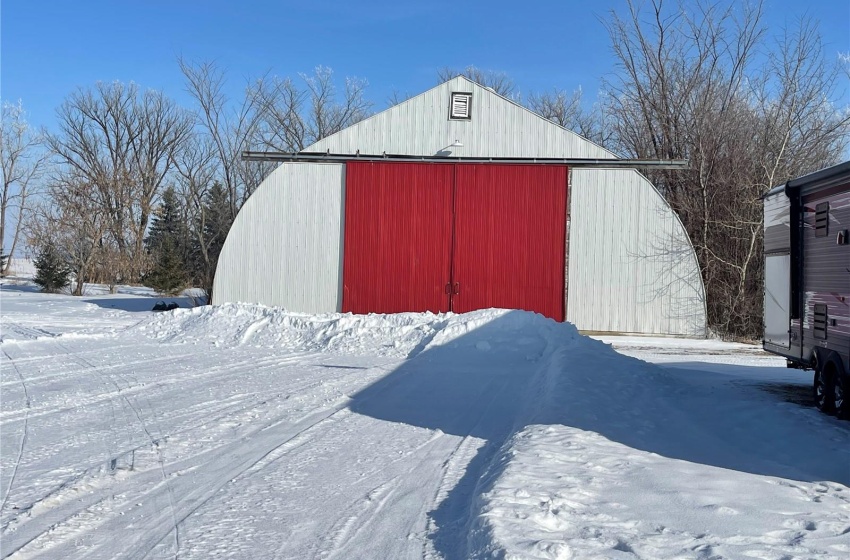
pixel 460 117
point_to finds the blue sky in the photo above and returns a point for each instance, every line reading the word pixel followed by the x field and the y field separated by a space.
pixel 49 48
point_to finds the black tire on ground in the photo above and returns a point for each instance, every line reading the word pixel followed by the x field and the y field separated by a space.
pixel 841 395
pixel 823 390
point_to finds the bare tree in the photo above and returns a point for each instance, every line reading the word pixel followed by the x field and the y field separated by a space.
pixel 197 169
pixel 499 82
pixel 690 85
pixel 72 220
pixel 231 129
pixel 397 97
pixel 293 118
pixel 23 162
pixel 120 143
pixel 274 114
pixel 565 109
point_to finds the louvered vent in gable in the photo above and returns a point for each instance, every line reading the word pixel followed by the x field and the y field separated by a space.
pixel 822 219
pixel 461 106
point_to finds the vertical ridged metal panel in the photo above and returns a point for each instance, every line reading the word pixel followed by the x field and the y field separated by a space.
pixel 632 266
pixel 498 127
pixel 510 225
pixel 825 271
pixel 398 228
pixel 284 248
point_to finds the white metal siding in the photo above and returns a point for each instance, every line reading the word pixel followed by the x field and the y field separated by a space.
pixel 285 247
pixel 498 127
pixel 631 264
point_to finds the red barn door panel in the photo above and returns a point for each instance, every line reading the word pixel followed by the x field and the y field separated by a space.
pixel 398 231
pixel 510 229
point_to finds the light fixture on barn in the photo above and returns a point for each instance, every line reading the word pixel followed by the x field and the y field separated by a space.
pixel 447 151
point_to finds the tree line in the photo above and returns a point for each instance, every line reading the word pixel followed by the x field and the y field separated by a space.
pixel 134 188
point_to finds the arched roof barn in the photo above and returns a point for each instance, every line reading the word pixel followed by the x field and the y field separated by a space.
pixel 498 227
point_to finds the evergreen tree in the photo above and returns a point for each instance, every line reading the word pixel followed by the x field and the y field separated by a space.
pixel 166 222
pixel 3 264
pixel 166 244
pixel 168 275
pixel 52 270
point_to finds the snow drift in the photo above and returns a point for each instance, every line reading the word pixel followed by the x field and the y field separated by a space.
pixel 244 430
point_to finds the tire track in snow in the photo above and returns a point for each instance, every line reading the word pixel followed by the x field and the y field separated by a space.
pixel 27 529
pixel 364 511
pixel 458 469
pixel 226 463
pixel 215 459
pixel 23 436
pixel 155 442
pixel 348 527
pixel 61 374
pixel 230 462
pixel 302 433
pixel 225 369
pixel 28 333
pixel 229 466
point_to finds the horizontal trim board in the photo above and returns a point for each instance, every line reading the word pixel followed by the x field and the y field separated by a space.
pixel 318 157
pixel 826 193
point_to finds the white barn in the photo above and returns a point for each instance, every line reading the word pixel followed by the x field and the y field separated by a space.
pixel 465 213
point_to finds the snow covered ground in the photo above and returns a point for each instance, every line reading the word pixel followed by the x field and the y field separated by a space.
pixel 249 432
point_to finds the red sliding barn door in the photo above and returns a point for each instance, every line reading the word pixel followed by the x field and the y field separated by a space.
pixel 494 233
pixel 398 231
pixel 510 229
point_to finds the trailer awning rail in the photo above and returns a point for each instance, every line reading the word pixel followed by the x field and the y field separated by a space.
pixel 322 157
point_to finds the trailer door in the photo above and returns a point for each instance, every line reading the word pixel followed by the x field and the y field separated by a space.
pixel 777 299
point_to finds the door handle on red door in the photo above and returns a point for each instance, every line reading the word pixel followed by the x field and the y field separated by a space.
pixel 449 288
pixel 457 288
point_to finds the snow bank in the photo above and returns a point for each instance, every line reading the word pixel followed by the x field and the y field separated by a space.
pixel 610 457
pixel 562 492
pixel 507 435
pixel 402 334
pixel 623 459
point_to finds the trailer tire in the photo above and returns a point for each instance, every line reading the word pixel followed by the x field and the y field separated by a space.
pixel 822 389
pixel 841 392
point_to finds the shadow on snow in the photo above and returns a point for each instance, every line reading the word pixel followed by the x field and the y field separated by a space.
pixel 502 376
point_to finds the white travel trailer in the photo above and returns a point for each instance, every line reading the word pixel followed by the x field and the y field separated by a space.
pixel 807 280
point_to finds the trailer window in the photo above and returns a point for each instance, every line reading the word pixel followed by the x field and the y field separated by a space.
pixel 822 219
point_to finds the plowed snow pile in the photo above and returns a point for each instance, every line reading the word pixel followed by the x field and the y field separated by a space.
pixel 246 431
pixel 400 334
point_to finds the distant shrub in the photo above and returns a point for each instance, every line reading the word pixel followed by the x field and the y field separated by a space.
pixel 52 272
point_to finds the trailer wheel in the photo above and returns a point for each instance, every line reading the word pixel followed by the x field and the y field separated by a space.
pixel 841 390
pixel 823 390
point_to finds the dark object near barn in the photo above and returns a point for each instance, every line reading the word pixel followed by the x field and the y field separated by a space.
pixel 162 306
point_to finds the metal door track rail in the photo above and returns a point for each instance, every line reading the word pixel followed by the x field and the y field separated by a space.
pixel 322 157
